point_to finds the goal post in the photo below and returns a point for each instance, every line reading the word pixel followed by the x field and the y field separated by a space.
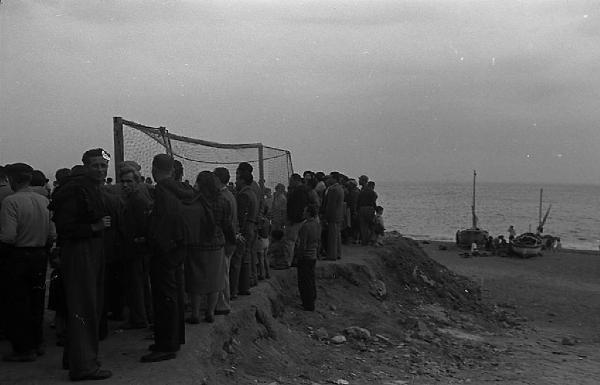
pixel 138 142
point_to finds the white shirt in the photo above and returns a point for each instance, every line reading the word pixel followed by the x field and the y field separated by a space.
pixel 25 220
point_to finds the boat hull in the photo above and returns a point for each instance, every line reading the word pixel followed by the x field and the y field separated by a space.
pixel 527 245
pixel 526 252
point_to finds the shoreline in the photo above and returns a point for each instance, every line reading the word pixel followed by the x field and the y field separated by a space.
pixel 446 240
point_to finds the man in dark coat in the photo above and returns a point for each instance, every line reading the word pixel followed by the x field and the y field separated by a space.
pixel 81 217
pixel 334 215
pixel 297 200
pixel 247 206
pixel 367 201
pixel 166 235
pixel 136 260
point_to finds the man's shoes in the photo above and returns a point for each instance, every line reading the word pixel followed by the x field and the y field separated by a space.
pixel 192 320
pixel 158 356
pixel 210 318
pixel 130 326
pixel 153 348
pixel 244 292
pixel 222 312
pixel 99 374
pixel 20 357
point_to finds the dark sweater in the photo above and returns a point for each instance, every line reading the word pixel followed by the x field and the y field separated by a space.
pixel 367 197
pixel 297 200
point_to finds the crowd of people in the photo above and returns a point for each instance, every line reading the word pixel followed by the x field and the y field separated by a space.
pixel 141 250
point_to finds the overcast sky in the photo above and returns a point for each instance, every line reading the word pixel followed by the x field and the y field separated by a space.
pixel 399 90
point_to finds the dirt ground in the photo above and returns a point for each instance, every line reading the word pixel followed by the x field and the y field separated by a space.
pixel 420 324
pixel 559 294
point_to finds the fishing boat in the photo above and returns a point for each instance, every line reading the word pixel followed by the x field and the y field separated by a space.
pixel 527 245
pixel 465 238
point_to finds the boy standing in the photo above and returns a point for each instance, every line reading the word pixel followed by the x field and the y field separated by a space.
pixel 379 226
pixel 305 253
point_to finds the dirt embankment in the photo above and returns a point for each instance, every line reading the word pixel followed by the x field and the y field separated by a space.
pixel 388 315
pixel 404 318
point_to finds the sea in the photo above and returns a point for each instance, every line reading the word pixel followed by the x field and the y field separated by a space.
pixel 436 210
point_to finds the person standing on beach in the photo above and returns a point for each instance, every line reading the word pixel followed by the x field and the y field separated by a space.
pixel 306 251
pixel 278 208
pixel 222 174
pixel 137 206
pixel 334 215
pixel 166 235
pixel 247 211
pixel 26 228
pixel 367 201
pixel 511 233
pixel 297 200
pixel 81 218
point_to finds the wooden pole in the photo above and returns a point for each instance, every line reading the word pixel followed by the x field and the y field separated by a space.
pixel 474 219
pixel 119 150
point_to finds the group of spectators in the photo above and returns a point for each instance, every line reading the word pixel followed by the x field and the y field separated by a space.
pixel 131 251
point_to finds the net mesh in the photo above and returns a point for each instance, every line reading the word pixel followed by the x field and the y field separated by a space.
pixel 141 143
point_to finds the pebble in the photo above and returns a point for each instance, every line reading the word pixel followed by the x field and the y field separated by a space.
pixel 358 333
pixel 321 333
pixel 338 339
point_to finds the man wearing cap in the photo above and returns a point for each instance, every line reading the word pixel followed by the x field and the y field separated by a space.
pixel 81 217
pixel 166 234
pixel 25 225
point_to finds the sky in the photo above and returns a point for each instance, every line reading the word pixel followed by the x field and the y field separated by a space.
pixel 398 90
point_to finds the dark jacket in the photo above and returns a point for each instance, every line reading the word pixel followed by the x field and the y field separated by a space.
pixel 309 238
pixel 247 203
pixel 297 200
pixel 135 221
pixel 114 235
pixel 334 203
pixel 76 205
pixel 367 197
pixel 166 228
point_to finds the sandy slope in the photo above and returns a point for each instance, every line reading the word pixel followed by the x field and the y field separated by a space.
pixel 559 293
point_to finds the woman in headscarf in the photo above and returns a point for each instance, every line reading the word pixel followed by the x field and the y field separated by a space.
pixel 278 208
pixel 209 217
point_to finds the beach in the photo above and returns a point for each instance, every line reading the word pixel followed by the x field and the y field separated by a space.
pixel 558 293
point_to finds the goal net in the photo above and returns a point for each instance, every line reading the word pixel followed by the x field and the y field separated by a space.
pixel 137 142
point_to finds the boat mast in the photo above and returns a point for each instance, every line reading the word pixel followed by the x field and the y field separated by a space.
pixel 473 206
pixel 540 210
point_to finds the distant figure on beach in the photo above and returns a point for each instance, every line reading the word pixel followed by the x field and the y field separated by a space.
pixel 511 233
pixel 556 246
